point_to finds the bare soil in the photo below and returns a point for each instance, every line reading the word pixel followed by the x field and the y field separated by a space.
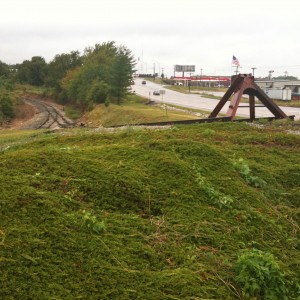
pixel 23 113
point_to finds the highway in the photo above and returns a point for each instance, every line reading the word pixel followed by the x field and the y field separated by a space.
pixel 199 102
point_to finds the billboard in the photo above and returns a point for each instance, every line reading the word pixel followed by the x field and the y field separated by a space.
pixel 184 68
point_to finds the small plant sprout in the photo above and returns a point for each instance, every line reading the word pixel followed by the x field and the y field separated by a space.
pixel 217 197
pixel 242 167
pixel 92 222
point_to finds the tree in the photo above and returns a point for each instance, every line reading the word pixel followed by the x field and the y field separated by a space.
pixel 32 72
pixel 106 71
pixel 100 54
pixel 4 69
pixel 69 85
pixel 122 72
pixel 286 78
pixel 98 92
pixel 59 66
pixel 90 82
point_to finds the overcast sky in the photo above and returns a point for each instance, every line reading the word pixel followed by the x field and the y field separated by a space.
pixel 264 34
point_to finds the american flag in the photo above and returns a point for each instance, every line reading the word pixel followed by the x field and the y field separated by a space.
pixel 235 61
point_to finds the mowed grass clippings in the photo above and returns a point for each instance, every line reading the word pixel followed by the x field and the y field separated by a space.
pixel 146 214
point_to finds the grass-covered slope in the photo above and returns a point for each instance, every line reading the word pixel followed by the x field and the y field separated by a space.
pixel 179 213
pixel 134 111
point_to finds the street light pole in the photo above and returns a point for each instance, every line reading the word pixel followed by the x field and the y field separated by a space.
pixel 201 77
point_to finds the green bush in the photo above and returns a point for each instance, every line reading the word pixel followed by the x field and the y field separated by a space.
pixel 259 276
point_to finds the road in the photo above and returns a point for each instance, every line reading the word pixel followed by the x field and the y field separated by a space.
pixel 199 102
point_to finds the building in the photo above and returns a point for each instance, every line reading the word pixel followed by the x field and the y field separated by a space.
pixel 204 81
pixel 281 89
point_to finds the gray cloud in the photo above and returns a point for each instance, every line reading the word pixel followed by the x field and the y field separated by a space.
pixel 204 33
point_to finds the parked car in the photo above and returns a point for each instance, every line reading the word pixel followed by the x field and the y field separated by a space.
pixel 156 93
pixel 144 82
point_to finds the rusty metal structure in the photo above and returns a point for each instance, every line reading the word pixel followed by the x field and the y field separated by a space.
pixel 244 84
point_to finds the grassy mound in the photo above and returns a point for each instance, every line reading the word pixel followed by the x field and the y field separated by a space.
pixel 145 214
pixel 133 111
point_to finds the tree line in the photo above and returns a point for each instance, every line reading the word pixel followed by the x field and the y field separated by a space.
pixel 102 74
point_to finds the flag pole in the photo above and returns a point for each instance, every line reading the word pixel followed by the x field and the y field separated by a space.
pixel 236 63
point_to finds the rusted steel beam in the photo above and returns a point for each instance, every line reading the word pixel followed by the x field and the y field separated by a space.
pixel 268 102
pixel 225 97
pixel 252 107
pixel 234 104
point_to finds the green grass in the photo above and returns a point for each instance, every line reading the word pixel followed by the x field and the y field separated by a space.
pixel 72 112
pixel 133 111
pixel 194 89
pixel 292 103
pixel 26 88
pixel 142 214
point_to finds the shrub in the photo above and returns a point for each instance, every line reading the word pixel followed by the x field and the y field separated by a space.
pixel 107 102
pixel 6 107
pixel 259 276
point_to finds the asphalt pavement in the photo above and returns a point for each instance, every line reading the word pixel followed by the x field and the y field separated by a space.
pixel 196 101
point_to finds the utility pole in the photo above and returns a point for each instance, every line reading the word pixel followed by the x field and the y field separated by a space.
pixel 200 77
pixel 270 73
pixel 253 71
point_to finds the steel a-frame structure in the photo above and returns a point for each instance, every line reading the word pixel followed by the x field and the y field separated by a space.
pixel 244 84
